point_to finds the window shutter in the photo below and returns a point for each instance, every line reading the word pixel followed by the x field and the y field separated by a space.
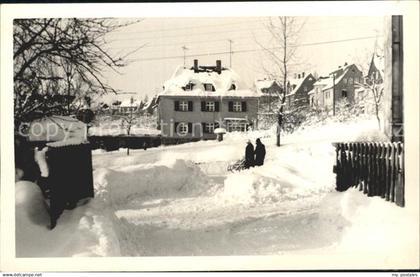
pixel 176 127
pixel 203 106
pixel 176 105
pixel 190 106
pixel 216 125
pixel 244 106
pixel 189 127
pixel 231 106
pixel 203 126
pixel 216 106
pixel 212 88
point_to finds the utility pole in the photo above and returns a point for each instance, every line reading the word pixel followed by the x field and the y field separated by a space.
pixel 184 48
pixel 129 122
pixel 333 94
pixel 230 52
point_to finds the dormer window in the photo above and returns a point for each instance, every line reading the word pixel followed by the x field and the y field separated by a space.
pixel 189 86
pixel 233 87
pixel 209 87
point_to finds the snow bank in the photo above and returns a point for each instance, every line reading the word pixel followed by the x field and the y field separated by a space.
pixel 84 231
pixel 164 179
pixel 378 226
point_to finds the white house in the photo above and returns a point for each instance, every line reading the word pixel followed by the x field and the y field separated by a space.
pixel 197 100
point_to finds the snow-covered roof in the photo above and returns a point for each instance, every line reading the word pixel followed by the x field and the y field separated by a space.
pixel 325 83
pixel 219 131
pixel 298 83
pixel 379 62
pixel 221 82
pixel 56 128
pixel 263 84
pixel 311 92
pixel 328 82
pixel 235 119
pixel 127 103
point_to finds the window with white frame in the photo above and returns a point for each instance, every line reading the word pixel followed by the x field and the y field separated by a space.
pixel 183 106
pixel 209 128
pixel 236 126
pixel 182 128
pixel 237 106
pixel 345 81
pixel 350 80
pixel 210 106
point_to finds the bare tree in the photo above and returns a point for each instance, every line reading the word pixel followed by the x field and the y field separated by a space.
pixel 128 121
pixel 373 83
pixel 285 33
pixel 375 90
pixel 50 54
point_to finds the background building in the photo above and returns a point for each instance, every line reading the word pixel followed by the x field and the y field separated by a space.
pixel 195 101
pixel 339 86
pixel 298 89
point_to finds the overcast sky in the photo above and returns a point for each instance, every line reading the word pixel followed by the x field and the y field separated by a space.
pixel 325 43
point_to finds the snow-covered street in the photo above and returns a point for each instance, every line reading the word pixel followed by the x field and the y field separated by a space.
pixel 181 201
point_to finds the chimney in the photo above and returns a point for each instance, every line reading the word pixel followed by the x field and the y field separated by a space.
pixel 303 74
pixel 195 66
pixel 298 76
pixel 219 66
pixel 295 75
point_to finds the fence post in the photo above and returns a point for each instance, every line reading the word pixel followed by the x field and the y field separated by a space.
pixel 382 172
pixel 364 167
pixel 393 172
pixel 347 173
pixel 399 192
pixel 370 168
pixel 388 170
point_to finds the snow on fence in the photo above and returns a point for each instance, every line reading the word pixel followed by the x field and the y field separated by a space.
pixel 375 168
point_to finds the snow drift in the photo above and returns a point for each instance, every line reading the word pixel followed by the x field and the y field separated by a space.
pixel 180 200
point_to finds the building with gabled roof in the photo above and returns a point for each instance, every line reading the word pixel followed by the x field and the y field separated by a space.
pixel 376 69
pixel 298 89
pixel 197 100
pixel 269 90
pixel 130 106
pixel 339 85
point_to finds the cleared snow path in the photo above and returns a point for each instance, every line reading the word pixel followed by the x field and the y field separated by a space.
pixel 180 200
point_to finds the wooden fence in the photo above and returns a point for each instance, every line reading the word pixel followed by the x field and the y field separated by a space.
pixel 375 168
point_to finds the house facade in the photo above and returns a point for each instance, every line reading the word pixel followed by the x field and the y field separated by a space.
pixel 298 89
pixel 338 86
pixel 198 100
pixel 269 90
pixel 129 106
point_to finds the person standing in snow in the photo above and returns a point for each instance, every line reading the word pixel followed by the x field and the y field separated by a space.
pixel 259 153
pixel 249 155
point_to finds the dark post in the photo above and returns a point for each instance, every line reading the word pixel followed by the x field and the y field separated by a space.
pixel 218 66
pixel 195 66
pixel 333 94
